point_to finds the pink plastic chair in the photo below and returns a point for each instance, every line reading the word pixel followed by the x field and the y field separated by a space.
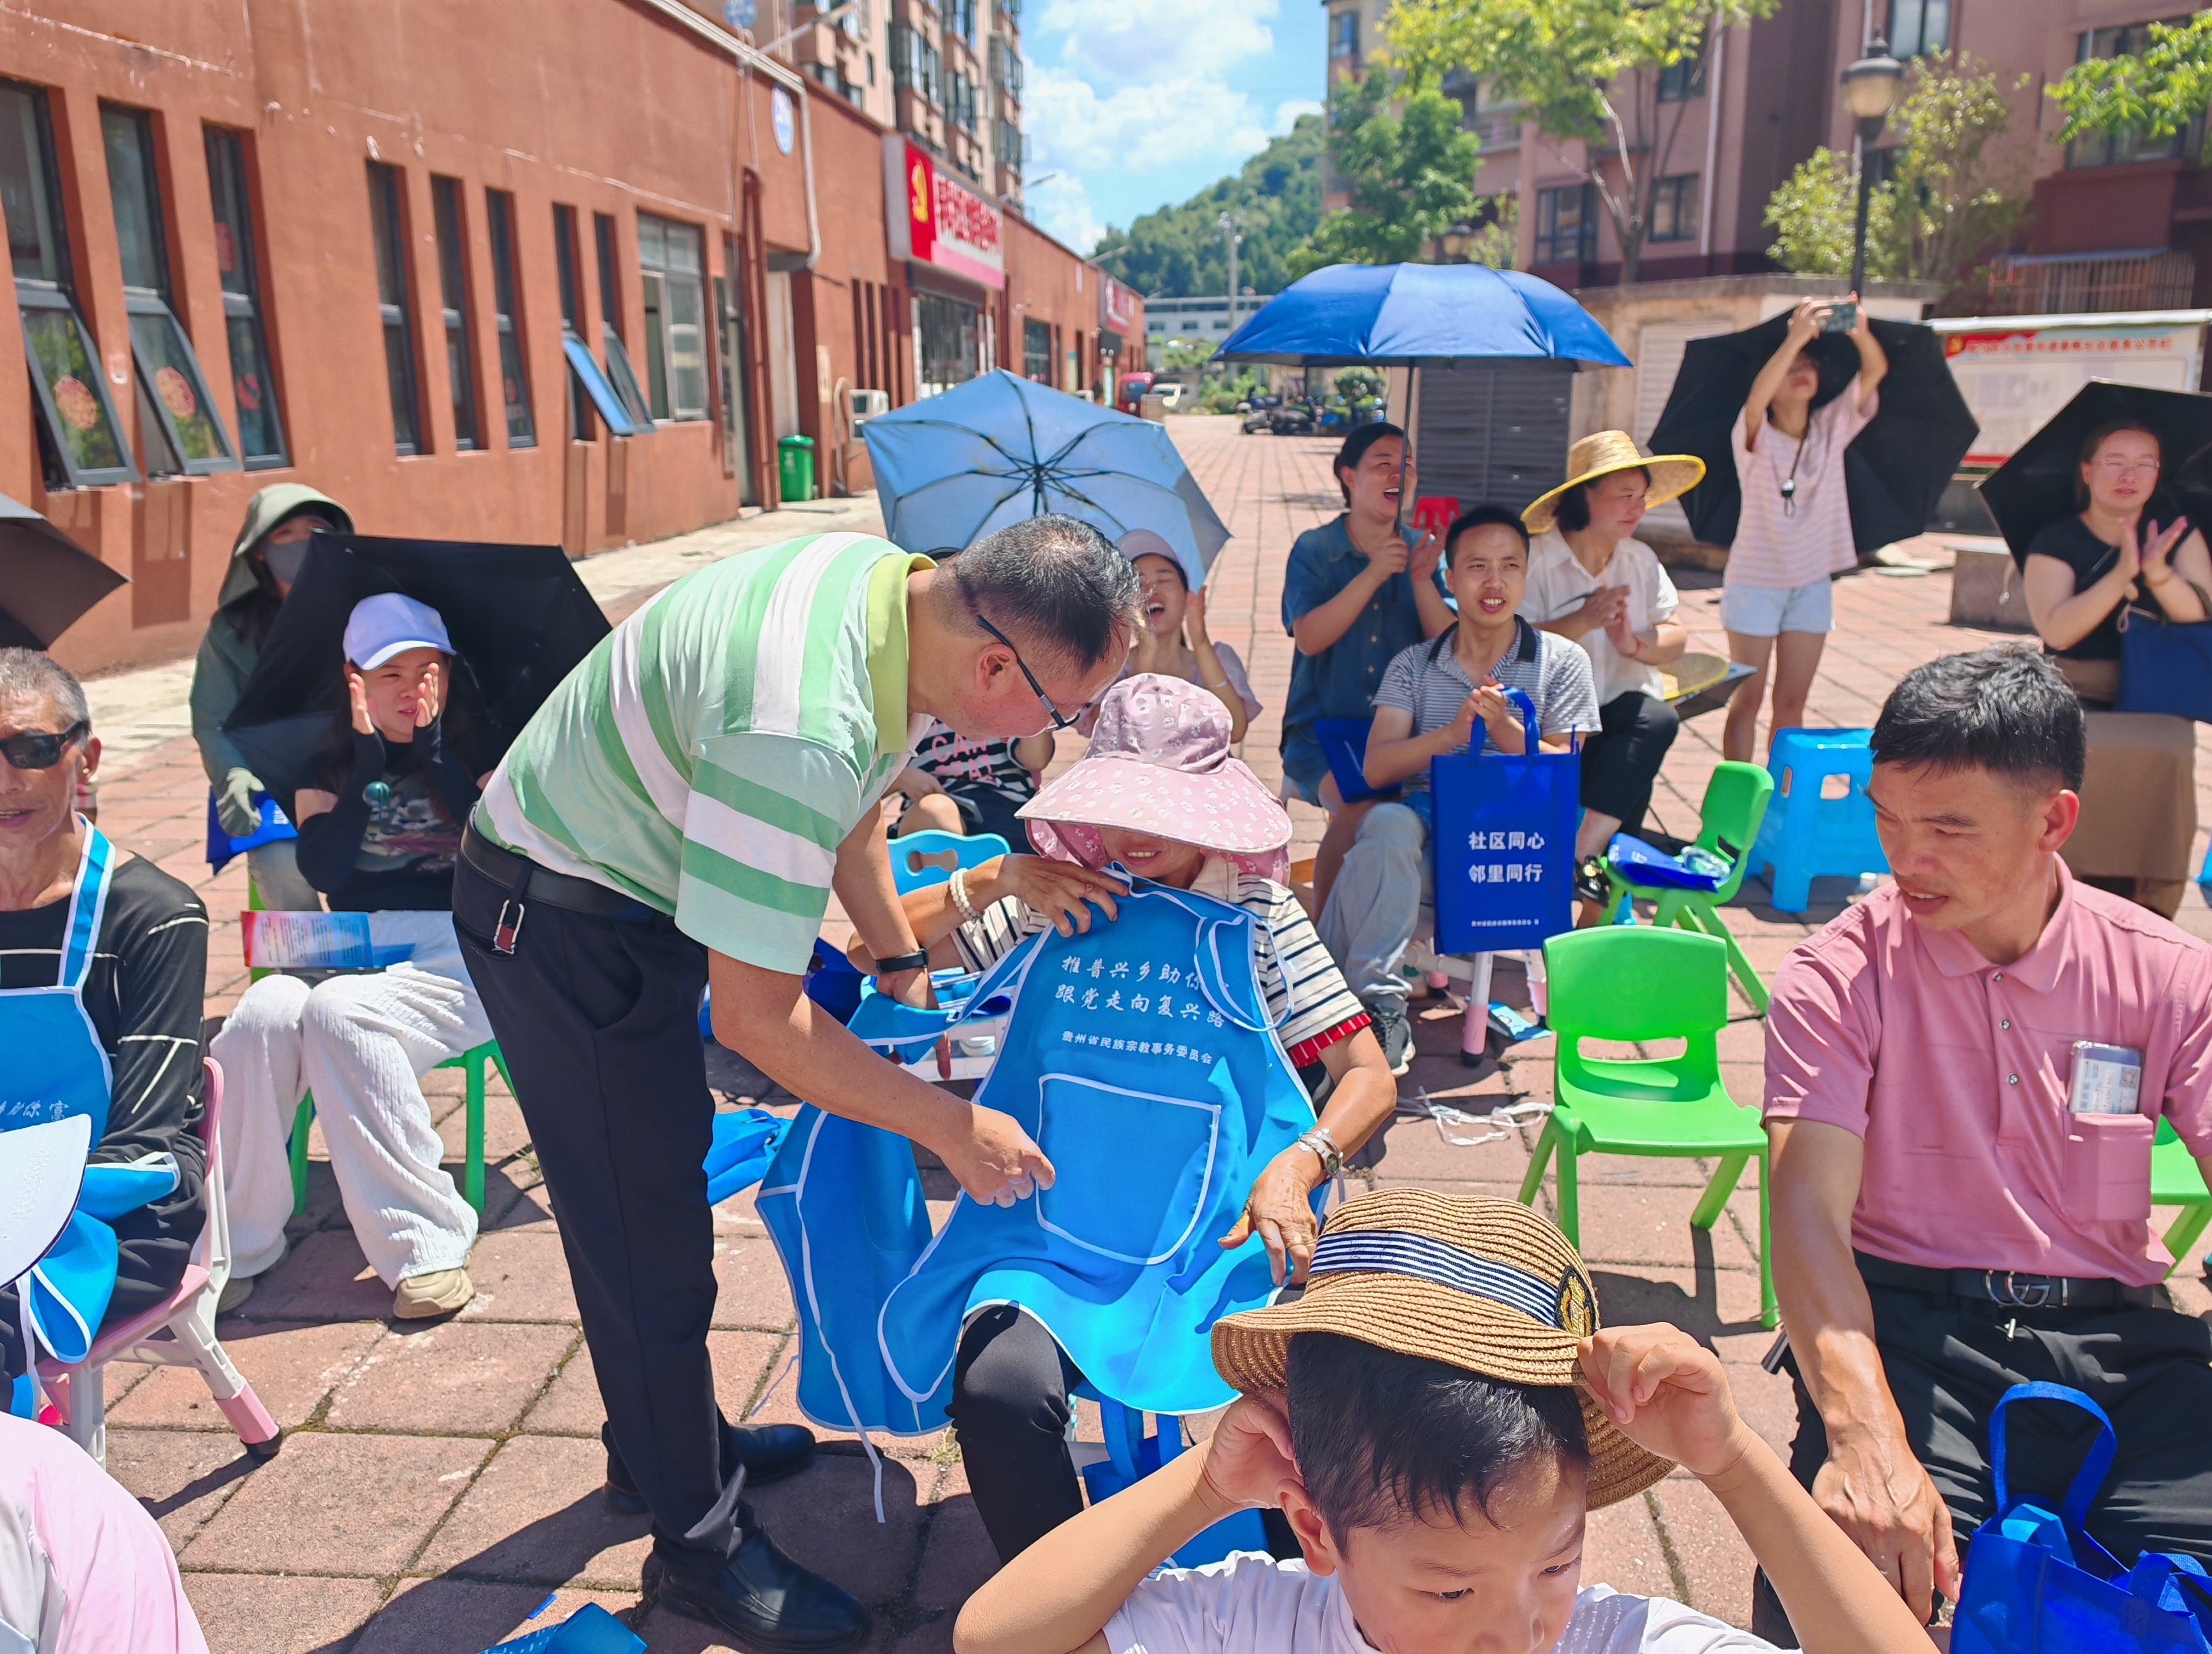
pixel 177 1334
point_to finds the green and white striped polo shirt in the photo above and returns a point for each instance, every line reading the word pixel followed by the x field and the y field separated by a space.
pixel 710 755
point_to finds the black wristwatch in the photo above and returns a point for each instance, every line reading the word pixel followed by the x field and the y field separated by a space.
pixel 917 960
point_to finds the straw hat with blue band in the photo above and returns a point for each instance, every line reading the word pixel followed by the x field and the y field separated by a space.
pixel 1487 1286
pixel 1604 452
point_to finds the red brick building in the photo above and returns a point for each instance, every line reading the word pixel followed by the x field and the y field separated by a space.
pixel 555 273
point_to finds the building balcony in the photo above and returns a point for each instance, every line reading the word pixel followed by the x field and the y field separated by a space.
pixel 2070 283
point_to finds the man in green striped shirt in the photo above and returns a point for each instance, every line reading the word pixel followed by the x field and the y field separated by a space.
pixel 679 812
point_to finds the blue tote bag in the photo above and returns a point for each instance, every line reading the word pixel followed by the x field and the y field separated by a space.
pixel 2037 1582
pixel 1505 845
pixel 2165 665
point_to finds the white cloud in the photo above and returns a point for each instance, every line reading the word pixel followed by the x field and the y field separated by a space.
pixel 1061 207
pixel 1129 39
pixel 1139 128
pixel 1288 111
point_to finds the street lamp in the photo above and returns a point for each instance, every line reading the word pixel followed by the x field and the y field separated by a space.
pixel 1871 88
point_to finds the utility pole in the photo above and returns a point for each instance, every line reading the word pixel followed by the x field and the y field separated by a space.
pixel 1232 231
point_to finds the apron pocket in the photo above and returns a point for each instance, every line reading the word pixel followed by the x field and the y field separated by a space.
pixel 2106 1172
pixel 1133 1168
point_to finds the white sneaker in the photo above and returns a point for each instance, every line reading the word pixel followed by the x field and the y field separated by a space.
pixel 424 1298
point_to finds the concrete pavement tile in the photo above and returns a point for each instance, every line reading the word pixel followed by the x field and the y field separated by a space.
pixel 751 1289
pixel 1415 1148
pixel 474 1378
pixel 1767 1401
pixel 1710 1553
pixel 255 1614
pixel 1646 1228
pixel 571 1405
pixel 1651 1171
pixel 520 1274
pixel 956 1557
pixel 182 1477
pixel 1622 1549
pixel 932 1636
pixel 1704 1303
pixel 472 1613
pixel 324 1279
pixel 340 1504
pixel 745 1365
pixel 534 1516
pixel 825 1518
pixel 291 1366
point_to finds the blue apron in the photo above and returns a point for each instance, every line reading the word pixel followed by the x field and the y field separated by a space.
pixel 1140 1058
pixel 56 1068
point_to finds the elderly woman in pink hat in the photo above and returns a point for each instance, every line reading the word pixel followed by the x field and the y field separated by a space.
pixel 1160 794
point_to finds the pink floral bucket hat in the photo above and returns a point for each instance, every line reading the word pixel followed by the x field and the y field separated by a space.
pixel 1159 763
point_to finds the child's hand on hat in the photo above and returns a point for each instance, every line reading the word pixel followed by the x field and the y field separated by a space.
pixel 1248 1459
pixel 1669 1396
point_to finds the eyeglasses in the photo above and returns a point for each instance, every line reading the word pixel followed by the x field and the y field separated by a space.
pixel 41 751
pixel 2119 470
pixel 1058 722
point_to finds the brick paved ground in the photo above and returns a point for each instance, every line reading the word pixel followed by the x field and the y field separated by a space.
pixel 439 1484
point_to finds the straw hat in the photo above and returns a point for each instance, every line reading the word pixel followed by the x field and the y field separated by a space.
pixel 1487 1285
pixel 1605 452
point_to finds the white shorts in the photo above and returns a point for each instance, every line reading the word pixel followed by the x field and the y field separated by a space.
pixel 1763 610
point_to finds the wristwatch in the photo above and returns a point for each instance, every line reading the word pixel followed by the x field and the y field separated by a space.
pixel 917 960
pixel 1322 1144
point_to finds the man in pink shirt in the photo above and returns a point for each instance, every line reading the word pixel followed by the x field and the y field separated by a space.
pixel 1949 1220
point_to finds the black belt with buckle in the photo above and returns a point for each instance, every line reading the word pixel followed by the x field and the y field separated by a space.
pixel 2008 1289
pixel 526 881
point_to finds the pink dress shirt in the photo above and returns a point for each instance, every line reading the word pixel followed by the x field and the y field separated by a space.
pixel 1955 1073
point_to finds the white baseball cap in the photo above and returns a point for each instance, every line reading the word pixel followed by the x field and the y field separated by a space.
pixel 387 624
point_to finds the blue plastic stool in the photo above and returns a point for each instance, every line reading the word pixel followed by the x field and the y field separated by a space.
pixel 1133 1454
pixel 917 858
pixel 1806 834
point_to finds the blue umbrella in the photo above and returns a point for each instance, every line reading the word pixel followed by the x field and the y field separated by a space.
pixel 1405 315
pixel 999 449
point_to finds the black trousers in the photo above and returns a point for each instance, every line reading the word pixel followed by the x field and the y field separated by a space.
pixel 1946 1360
pixel 1620 763
pixel 1010 1411
pixel 598 1020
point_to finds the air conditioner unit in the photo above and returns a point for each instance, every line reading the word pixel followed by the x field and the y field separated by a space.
pixel 866 404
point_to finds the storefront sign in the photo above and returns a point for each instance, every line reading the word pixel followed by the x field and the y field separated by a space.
pixel 1119 309
pixel 937 222
pixel 2016 373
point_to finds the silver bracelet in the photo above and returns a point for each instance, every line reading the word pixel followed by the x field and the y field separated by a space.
pixel 959 888
pixel 1322 1144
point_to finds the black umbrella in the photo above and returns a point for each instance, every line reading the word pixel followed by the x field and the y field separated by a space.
pixel 2034 488
pixel 1894 471
pixel 519 618
pixel 47 580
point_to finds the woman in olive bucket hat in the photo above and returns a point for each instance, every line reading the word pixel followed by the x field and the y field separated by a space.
pixel 1435 1416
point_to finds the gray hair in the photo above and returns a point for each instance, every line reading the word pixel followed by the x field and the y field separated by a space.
pixel 32 674
pixel 1054 582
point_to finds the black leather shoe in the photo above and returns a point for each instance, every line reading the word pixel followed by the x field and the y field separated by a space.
pixel 769 1452
pixel 763 1599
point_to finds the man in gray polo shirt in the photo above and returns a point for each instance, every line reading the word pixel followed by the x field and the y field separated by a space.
pixel 1433 698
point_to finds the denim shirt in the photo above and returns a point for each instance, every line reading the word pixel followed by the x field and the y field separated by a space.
pixel 1341 680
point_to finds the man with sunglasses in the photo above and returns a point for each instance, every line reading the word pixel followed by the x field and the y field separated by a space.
pixel 678 813
pixel 103 972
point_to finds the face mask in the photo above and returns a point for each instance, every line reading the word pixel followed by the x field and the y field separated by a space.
pixel 284 560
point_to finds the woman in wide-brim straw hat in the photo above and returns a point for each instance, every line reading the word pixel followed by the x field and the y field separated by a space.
pixel 1435 1418
pixel 1160 794
pixel 1593 583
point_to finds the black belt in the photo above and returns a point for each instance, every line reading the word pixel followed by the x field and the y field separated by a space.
pixel 526 881
pixel 2007 1289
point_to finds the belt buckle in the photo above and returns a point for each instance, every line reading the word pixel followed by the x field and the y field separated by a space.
pixel 508 927
pixel 2015 1295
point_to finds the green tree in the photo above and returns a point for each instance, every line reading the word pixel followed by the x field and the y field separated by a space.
pixel 1177 252
pixel 2152 94
pixel 1957 186
pixel 1497 240
pixel 1580 68
pixel 1410 166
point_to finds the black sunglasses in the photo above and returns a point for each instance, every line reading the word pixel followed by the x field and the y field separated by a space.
pixel 1058 722
pixel 40 750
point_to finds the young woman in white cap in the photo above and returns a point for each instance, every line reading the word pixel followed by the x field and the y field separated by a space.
pixel 380 836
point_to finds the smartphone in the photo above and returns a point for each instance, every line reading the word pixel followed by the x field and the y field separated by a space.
pixel 1841 318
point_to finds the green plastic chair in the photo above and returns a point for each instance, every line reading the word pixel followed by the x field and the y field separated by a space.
pixel 1635 983
pixel 2176 1180
pixel 471 1063
pixel 1734 804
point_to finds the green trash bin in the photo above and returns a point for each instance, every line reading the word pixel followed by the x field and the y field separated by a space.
pixel 794 467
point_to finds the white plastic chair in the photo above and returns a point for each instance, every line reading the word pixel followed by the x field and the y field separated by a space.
pixel 178 1332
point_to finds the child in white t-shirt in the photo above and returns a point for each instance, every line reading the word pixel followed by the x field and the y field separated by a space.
pixel 1435 1418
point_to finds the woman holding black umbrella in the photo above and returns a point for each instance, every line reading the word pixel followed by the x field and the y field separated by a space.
pixel 2139 797
pixel 1795 529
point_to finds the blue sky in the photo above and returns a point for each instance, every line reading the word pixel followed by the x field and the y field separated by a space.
pixel 1136 104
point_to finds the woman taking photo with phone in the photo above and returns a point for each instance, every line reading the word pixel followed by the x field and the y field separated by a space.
pixel 1795 530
